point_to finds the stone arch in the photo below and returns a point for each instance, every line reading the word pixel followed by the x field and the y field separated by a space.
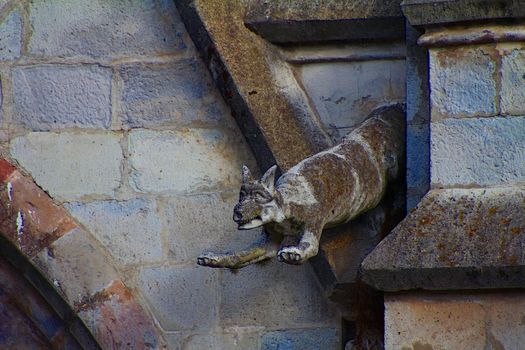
pixel 47 239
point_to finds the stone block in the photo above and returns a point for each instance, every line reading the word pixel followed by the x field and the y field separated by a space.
pixel 130 230
pixel 71 166
pixel 118 321
pixel 345 93
pixel 50 97
pixel 281 296
pixel 182 298
pixel 302 339
pixel 75 265
pixel 28 216
pixel 11 36
pixel 434 322
pixel 477 151
pixel 513 82
pixel 105 28
pixel 203 222
pixel 186 161
pixel 223 341
pixel 164 94
pixel 505 319
pixel 462 82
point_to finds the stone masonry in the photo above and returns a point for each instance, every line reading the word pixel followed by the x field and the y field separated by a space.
pixel 107 106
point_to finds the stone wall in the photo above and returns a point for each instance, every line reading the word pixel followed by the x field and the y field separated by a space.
pixel 455 321
pixel 108 107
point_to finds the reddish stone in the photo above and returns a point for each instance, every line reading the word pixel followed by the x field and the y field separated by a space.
pixel 28 216
pixel 118 321
pixel 6 169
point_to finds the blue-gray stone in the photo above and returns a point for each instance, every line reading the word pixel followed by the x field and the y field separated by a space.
pixel 301 339
pixel 50 97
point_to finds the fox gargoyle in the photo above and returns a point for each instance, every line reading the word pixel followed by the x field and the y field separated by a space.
pixel 327 189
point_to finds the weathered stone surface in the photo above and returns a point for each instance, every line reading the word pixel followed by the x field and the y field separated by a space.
pixel 454 239
pixel 11 36
pixel 118 321
pixel 185 161
pixel 199 222
pixel 505 315
pixel 455 321
pixel 182 298
pixel 242 341
pixel 513 82
pixel 6 169
pixel 476 151
pixel 345 93
pixel 156 95
pixel 75 265
pixel 418 118
pixel 28 216
pixel 302 339
pixel 53 160
pixel 50 97
pixel 105 28
pixel 259 88
pixel 418 161
pixel 130 230
pixel 281 296
pixel 314 21
pixel 462 82
pixel 434 322
pixel 427 12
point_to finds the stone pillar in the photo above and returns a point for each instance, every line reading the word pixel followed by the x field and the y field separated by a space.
pixel 467 233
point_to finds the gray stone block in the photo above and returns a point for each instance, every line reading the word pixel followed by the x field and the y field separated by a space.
pixel 11 36
pixel 479 151
pixel 429 12
pixel 75 266
pixel 70 166
pixel 182 298
pixel 462 82
pixel 194 160
pixel 203 222
pixel 302 339
pixel 130 229
pixel 454 239
pixel 49 97
pixel 158 94
pixel 105 28
pixel 222 341
pixel 345 93
pixel 513 82
pixel 281 296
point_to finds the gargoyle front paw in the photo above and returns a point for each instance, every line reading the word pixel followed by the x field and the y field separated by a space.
pixel 291 255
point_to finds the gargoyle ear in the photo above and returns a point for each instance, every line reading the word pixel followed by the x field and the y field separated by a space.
pixel 246 174
pixel 268 179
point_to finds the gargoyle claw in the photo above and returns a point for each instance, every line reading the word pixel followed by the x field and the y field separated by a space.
pixel 207 260
pixel 290 255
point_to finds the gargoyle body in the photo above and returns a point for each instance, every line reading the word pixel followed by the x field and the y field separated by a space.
pixel 327 189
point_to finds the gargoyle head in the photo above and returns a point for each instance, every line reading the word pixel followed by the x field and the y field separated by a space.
pixel 257 205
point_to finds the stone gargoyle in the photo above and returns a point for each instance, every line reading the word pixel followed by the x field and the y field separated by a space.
pixel 327 189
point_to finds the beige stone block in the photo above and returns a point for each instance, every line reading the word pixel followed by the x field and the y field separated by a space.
pixel 439 322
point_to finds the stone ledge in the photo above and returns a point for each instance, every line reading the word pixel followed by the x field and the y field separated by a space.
pixel 454 239
pixel 429 12
pixel 288 21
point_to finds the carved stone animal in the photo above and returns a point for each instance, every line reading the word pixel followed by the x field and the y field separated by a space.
pixel 324 190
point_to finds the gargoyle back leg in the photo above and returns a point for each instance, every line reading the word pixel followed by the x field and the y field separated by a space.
pixel 263 249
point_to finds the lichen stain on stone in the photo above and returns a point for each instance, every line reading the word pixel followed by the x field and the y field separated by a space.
pixel 420 346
